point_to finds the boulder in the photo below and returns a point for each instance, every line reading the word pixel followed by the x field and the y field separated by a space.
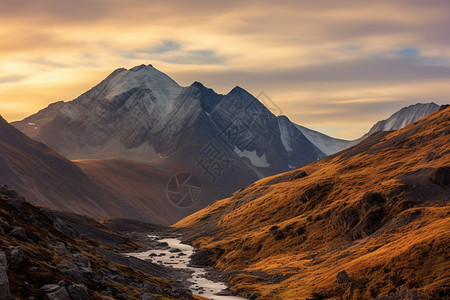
pixel 60 294
pixel 48 288
pixel 79 260
pixel 17 254
pixel 441 176
pixel 342 277
pixel 3 260
pixel 71 270
pixel 402 293
pixel 3 222
pixel 78 292
pixel 112 268
pixel 151 288
pixel 18 233
pixel 4 284
pixel 147 297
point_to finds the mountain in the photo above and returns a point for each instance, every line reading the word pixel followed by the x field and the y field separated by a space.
pixel 404 116
pixel 398 120
pixel 97 188
pixel 141 114
pixel 185 146
pixel 44 176
pixel 325 143
pixel 370 222
pixel 52 255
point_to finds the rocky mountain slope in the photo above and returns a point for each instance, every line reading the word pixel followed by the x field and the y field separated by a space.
pixel 44 176
pixel 50 255
pixel 370 222
pixel 398 120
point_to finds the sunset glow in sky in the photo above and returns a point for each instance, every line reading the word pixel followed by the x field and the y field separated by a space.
pixel 334 66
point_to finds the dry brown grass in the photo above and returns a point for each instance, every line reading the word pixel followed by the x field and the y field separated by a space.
pixel 313 241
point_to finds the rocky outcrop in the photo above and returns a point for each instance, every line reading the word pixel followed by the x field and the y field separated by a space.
pixel 441 176
pixel 4 284
pixel 42 249
pixel 342 277
pixel 78 292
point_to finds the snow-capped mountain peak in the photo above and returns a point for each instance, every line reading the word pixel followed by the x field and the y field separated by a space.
pixel 404 117
pixel 144 76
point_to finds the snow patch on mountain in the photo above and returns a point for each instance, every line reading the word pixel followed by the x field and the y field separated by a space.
pixel 325 143
pixel 162 86
pixel 285 137
pixel 257 161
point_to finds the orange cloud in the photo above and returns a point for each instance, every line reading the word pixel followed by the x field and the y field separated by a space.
pixel 344 56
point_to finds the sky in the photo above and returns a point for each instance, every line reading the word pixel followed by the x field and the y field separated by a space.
pixel 334 66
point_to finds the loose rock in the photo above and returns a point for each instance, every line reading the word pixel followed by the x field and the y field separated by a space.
pixel 3 260
pixel 4 284
pixel 17 254
pixel 60 294
pixel 18 233
pixel 78 292
pixel 342 277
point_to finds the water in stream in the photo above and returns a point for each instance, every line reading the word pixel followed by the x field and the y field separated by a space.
pixel 180 260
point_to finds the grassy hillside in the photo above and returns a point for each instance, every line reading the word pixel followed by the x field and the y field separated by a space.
pixel 379 210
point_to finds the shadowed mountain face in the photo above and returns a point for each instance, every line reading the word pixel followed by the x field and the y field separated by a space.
pixel 371 221
pixel 99 188
pixel 45 176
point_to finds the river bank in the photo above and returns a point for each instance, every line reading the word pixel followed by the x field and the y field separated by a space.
pixel 168 251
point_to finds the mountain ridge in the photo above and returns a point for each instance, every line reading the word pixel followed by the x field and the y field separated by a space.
pixel 399 119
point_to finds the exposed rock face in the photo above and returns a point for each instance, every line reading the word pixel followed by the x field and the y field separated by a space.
pixel 18 233
pixel 60 294
pixel 78 292
pixel 17 254
pixel 4 284
pixel 3 260
pixel 441 176
pixel 51 255
pixel 342 277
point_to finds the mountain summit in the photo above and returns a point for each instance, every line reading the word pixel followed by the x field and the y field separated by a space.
pixel 404 117
pixel 142 114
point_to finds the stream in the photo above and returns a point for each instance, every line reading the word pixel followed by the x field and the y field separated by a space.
pixel 177 255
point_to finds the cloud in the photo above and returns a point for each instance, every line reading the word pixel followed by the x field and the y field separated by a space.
pixel 323 62
pixel 12 78
pixel 408 52
pixel 164 47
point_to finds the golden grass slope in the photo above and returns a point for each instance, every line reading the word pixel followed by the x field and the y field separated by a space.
pixel 379 210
